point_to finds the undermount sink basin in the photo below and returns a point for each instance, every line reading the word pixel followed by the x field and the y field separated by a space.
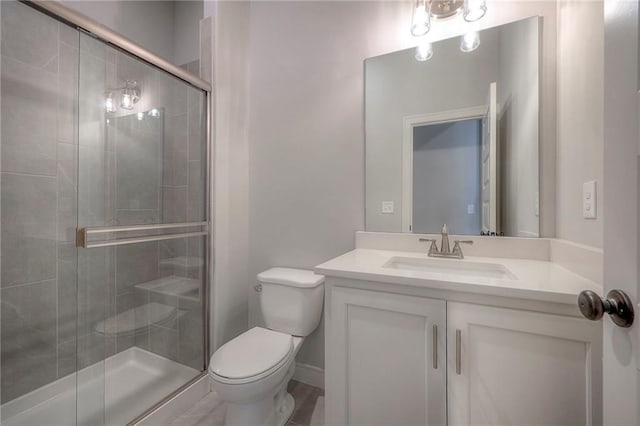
pixel 451 267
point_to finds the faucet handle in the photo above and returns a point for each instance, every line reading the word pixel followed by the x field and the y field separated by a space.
pixel 433 248
pixel 457 249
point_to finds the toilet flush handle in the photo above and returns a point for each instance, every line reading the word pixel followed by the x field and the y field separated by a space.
pixel 258 288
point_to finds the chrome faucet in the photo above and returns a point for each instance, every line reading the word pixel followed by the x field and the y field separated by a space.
pixel 444 250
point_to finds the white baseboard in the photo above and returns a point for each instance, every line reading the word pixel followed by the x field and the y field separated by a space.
pixel 309 374
pixel 178 404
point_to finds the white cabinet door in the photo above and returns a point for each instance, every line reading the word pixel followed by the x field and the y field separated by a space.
pixel 508 367
pixel 383 367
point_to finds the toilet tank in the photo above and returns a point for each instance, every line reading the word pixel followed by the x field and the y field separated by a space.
pixel 291 300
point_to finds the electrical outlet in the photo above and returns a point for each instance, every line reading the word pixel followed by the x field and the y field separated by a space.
pixel 387 207
pixel 589 200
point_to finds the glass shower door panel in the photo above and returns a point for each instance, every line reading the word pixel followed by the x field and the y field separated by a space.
pixel 141 284
pixel 38 146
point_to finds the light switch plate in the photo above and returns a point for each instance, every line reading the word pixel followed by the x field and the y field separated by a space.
pixel 387 207
pixel 589 200
pixel 471 209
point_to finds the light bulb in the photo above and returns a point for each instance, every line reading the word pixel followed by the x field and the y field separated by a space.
pixel 424 51
pixel 140 116
pixel 470 41
pixel 154 113
pixel 109 106
pixel 420 19
pixel 474 10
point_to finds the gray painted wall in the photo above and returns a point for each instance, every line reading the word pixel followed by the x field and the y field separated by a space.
pixel 580 118
pixel 446 177
pixel 167 28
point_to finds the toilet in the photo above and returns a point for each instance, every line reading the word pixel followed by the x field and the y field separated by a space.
pixel 250 373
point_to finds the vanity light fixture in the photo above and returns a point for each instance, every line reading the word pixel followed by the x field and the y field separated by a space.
pixel 420 18
pixel 470 41
pixel 439 10
pixel 424 50
pixel 474 10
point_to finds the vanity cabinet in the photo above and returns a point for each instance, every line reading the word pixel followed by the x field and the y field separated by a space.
pixel 395 359
pixel 509 366
pixel 386 359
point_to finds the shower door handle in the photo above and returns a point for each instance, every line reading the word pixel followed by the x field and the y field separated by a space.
pixel 82 234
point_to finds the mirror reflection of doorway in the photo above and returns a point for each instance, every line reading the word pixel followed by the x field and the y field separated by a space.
pixel 447 177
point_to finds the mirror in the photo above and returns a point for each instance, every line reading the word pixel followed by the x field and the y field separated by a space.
pixel 454 139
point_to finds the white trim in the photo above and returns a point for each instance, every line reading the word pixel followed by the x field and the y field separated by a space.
pixel 408 123
pixel 309 374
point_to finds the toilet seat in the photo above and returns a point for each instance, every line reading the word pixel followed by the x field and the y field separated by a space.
pixel 253 355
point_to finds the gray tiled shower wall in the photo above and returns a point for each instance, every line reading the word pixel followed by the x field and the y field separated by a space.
pixel 53 295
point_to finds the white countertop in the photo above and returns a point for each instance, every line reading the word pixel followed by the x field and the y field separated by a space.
pixel 536 280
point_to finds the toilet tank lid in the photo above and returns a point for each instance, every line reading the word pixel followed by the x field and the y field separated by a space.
pixel 289 276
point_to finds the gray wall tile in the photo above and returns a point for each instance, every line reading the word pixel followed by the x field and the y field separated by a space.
pixel 67 292
pixel 28 338
pixel 27 35
pixel 124 340
pixel 28 228
pixel 196 192
pixel 67 93
pixel 175 150
pixel 164 342
pixel 29 111
pixel 139 167
pixel 136 263
pixel 96 289
pixel 190 344
pixel 67 192
pixel 174 204
pixel 93 348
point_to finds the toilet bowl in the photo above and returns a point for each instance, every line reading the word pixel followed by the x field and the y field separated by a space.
pixel 250 373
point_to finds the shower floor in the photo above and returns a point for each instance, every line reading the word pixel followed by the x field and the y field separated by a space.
pixel 112 392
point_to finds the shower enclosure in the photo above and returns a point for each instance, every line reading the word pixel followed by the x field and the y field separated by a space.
pixel 103 226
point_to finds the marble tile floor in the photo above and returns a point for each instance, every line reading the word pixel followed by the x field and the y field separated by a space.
pixel 309 409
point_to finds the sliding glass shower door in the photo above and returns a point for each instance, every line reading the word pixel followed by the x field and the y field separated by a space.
pixel 141 216
pixel 103 227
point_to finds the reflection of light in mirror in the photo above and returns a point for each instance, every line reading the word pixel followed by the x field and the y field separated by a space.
pixel 154 113
pixel 424 50
pixel 127 101
pixel 140 116
pixel 109 106
pixel 420 19
pixel 470 41
pixel 474 10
